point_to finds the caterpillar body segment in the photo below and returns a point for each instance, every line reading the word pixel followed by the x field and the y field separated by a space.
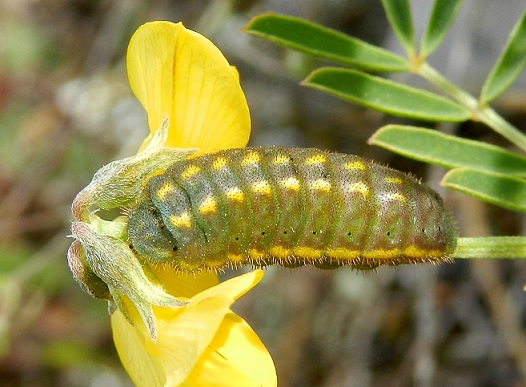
pixel 288 206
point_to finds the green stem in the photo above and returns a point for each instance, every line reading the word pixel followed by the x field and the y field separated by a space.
pixel 491 118
pixel 431 75
pixel 491 247
pixel 484 114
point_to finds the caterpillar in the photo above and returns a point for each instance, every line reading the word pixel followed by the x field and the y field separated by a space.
pixel 287 206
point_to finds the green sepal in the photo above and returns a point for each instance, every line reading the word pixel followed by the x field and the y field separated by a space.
pixel 119 183
pixel 87 279
pixel 114 262
pixel 100 257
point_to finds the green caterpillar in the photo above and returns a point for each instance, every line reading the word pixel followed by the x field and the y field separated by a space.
pixel 288 206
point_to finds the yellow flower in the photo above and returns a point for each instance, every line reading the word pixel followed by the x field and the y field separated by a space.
pixel 179 74
pixel 201 344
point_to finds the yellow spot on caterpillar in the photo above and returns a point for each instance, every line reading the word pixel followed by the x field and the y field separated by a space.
pixel 182 220
pixel 291 183
pixel 307 253
pixel 393 180
pixel 208 205
pixel 235 258
pixel 396 196
pixel 355 165
pixel 342 253
pixel 219 162
pixel 215 264
pixel 256 254
pixel 360 187
pixel 320 185
pixel 262 187
pixel 316 159
pixel 235 194
pixel 190 171
pixel 415 252
pixel 382 254
pixel 281 159
pixel 251 158
pixel 409 252
pixel 280 252
pixel 166 189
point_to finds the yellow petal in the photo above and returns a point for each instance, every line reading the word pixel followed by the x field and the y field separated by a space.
pixel 177 72
pixel 194 329
pixel 183 340
pixel 229 290
pixel 144 370
pixel 233 288
pixel 184 284
pixel 183 334
pixel 236 357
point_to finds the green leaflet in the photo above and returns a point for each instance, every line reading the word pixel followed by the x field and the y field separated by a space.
pixel 324 42
pixel 385 95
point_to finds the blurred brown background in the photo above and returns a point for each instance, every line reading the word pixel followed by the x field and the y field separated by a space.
pixel 66 109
